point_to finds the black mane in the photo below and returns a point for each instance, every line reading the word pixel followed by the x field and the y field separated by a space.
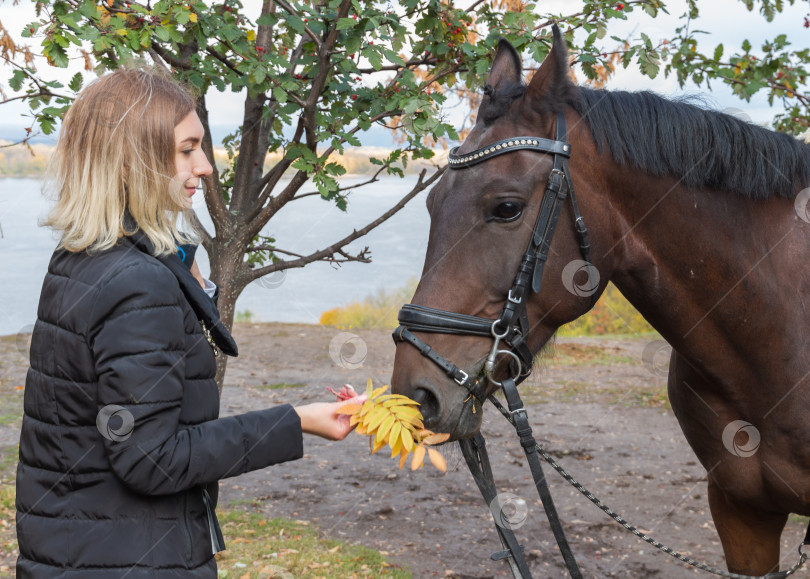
pixel 702 148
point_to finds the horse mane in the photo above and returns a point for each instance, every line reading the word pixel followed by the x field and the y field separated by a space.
pixel 701 148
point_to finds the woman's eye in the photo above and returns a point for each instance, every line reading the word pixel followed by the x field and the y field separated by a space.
pixel 507 211
pixel 187 152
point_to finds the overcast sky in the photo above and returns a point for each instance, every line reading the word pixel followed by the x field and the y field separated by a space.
pixel 727 21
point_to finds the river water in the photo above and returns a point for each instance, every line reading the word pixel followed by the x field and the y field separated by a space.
pixel 298 295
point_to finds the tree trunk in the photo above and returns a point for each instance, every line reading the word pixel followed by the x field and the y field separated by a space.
pixel 226 265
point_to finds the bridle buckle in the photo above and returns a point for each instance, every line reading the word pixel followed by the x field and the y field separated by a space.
pixel 517 411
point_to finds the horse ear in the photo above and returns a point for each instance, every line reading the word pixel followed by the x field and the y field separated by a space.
pixel 506 66
pixel 551 87
pixel 504 84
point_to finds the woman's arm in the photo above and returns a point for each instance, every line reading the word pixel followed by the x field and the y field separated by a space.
pixel 137 336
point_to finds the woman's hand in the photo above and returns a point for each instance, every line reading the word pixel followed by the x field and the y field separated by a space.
pixel 321 418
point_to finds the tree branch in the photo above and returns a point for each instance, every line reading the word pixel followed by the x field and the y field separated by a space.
pixel 223 59
pixel 398 67
pixel 373 179
pixel 337 248
pixel 205 237
pixel 170 58
pixel 213 192
pixel 292 11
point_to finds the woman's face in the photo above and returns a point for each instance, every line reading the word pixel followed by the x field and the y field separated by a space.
pixel 189 159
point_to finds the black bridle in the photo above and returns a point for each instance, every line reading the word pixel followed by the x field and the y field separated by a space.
pixel 512 327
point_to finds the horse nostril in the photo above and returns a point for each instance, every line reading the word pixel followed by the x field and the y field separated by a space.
pixel 428 405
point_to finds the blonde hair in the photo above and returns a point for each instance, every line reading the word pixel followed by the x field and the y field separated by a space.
pixel 116 152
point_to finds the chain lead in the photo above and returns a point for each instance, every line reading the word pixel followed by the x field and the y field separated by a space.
pixel 647 539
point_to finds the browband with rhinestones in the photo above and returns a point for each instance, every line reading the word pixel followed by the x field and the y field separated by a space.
pixel 507 146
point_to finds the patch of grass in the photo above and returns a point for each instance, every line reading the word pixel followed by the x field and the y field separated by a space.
pixel 282 548
pixel 651 398
pixel 8 462
pixel 578 392
pixel 281 385
pixel 10 418
pixel 583 355
pixel 375 311
pixel 8 509
pixel 11 401
pixel 244 317
pixel 612 314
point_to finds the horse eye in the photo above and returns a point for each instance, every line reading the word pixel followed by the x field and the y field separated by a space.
pixel 507 211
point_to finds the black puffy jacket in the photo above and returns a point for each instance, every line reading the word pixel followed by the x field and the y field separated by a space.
pixel 120 438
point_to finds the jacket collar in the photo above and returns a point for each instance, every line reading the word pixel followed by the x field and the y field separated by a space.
pixel 203 306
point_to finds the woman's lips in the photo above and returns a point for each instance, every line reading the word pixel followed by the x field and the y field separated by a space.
pixel 191 190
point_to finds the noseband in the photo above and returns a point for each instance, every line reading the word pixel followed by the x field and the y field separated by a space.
pixel 512 326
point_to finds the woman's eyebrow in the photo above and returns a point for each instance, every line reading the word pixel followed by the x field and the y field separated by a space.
pixel 193 140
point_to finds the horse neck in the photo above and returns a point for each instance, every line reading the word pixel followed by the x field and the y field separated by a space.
pixel 697 264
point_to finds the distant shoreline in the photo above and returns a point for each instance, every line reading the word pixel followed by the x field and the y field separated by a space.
pixel 18 162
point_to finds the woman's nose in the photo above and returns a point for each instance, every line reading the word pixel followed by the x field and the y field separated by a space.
pixel 203 169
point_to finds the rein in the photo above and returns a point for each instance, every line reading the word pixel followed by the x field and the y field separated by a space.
pixel 512 327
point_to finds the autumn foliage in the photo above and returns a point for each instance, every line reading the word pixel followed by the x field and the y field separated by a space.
pixel 395 420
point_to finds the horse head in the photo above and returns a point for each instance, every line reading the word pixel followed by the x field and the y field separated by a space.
pixel 483 215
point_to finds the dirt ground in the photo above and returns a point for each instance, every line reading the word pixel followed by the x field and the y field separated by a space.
pixel 595 403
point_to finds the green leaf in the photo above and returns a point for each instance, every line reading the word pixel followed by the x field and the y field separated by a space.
pixel 71 19
pixel 76 82
pixel 346 23
pixel 746 46
pixel 718 53
pixel 259 74
pixel 353 44
pixel 280 95
pixel 16 80
pixel 56 53
pixel 162 33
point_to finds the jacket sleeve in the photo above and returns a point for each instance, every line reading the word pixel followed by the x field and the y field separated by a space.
pixel 138 341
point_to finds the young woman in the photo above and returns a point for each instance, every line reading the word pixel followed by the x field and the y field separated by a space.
pixel 121 445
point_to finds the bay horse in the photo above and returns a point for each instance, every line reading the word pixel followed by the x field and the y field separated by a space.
pixel 697 217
